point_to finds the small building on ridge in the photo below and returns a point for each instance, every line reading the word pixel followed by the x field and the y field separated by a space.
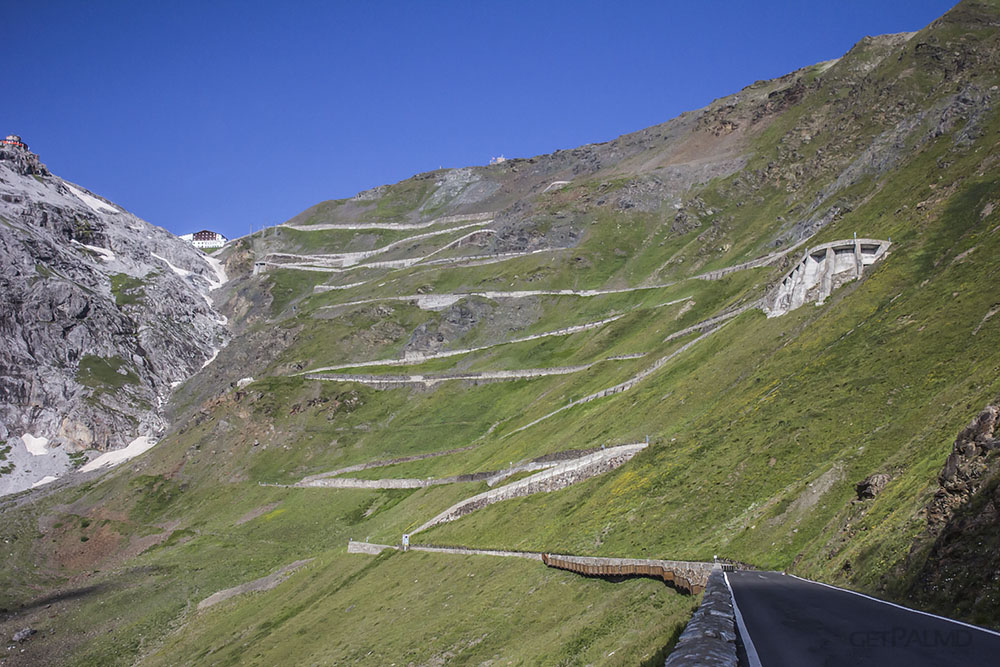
pixel 205 239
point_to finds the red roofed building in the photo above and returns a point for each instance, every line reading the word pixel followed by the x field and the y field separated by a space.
pixel 205 239
pixel 14 140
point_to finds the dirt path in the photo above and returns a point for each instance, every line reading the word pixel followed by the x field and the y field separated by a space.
pixel 478 217
pixel 386 462
pixel 262 584
pixel 468 260
pixel 624 386
pixel 386 381
pixel 346 259
pixel 419 357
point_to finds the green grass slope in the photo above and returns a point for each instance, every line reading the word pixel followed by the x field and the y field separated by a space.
pixel 759 431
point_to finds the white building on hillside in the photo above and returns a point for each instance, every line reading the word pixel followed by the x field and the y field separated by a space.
pixel 205 239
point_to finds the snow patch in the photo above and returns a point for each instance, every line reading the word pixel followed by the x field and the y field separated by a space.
pixel 105 254
pixel 93 203
pixel 215 353
pixel 44 480
pixel 35 446
pixel 220 272
pixel 555 185
pixel 134 448
pixel 242 382
pixel 183 273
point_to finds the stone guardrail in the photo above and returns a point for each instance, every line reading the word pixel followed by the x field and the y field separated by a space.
pixel 709 639
pixel 461 551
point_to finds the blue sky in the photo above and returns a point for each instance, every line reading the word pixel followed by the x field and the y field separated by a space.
pixel 229 114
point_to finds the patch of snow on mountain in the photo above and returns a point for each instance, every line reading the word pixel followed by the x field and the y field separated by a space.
pixel 105 254
pixel 94 203
pixel 220 272
pixel 44 480
pixel 134 448
pixel 215 353
pixel 183 273
pixel 35 446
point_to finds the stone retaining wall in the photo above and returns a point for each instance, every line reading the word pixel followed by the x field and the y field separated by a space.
pixel 712 321
pixel 624 386
pixel 752 264
pixel 557 477
pixel 471 217
pixel 709 640
pixel 821 270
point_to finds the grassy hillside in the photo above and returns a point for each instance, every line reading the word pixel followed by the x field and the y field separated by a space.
pixel 759 431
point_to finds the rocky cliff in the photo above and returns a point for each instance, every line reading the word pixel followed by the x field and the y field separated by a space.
pixel 101 314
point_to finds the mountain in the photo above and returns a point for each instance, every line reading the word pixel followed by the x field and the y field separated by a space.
pixel 102 314
pixel 765 330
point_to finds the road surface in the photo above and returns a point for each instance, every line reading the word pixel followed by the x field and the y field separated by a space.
pixel 799 623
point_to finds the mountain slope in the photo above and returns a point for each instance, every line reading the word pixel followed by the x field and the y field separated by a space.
pixel 630 272
pixel 102 313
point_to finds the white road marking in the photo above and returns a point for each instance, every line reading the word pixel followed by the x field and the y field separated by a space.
pixel 898 606
pixel 751 650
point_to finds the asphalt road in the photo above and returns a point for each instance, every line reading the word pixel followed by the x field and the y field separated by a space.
pixel 796 623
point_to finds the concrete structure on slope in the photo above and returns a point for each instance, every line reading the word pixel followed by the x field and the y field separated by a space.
pixel 821 270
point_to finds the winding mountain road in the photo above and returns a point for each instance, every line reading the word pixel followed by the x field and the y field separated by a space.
pixel 792 622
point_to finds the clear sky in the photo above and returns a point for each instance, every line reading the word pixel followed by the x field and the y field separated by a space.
pixel 226 114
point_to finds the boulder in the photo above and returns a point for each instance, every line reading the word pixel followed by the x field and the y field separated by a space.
pixel 871 486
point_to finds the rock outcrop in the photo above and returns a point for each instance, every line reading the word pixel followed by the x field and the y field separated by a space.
pixel 966 468
pixel 871 486
pixel 101 314
pixel 952 564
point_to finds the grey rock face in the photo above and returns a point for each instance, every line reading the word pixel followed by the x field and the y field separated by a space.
pixel 967 467
pixel 871 486
pixel 454 322
pixel 101 313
